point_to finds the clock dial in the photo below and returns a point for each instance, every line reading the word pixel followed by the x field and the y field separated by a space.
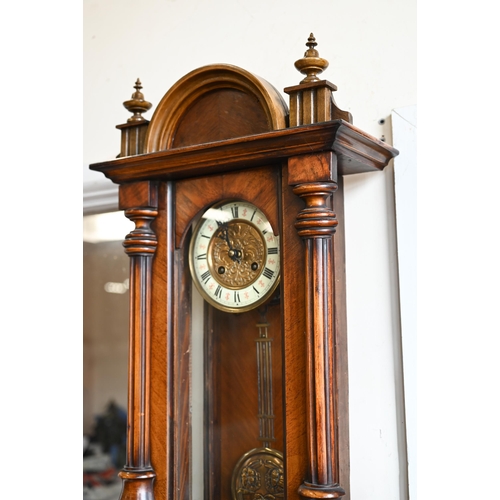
pixel 234 256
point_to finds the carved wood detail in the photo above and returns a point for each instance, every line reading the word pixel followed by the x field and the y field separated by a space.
pixel 312 101
pixel 134 131
pixel 316 224
pixel 132 140
pixel 140 245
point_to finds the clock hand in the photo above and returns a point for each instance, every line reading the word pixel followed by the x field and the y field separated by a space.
pixel 224 236
pixel 234 253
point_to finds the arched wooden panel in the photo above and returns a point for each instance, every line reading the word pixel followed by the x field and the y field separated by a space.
pixel 213 103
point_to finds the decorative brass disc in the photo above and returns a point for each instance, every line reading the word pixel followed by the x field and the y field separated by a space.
pixel 258 475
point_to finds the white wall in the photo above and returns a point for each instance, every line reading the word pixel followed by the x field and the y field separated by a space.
pixel 371 47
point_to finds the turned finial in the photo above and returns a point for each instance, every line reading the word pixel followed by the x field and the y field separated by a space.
pixel 137 104
pixel 311 64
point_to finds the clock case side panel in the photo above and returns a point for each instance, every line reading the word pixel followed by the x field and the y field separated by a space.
pixel 170 358
pixel 294 302
pixel 340 342
pixel 163 430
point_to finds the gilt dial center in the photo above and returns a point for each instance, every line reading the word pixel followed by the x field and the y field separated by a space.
pixel 239 247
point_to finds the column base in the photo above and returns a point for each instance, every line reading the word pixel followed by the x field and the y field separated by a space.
pixel 137 484
pixel 308 490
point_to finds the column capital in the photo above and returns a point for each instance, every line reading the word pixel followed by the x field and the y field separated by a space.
pixel 142 240
pixel 317 219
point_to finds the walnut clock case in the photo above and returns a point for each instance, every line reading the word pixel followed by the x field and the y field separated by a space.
pixel 240 197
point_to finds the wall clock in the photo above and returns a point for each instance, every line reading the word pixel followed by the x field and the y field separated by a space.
pixel 238 197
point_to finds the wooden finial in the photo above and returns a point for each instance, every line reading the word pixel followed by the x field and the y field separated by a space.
pixel 137 104
pixel 311 64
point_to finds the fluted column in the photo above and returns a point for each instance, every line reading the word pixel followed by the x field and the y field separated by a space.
pixel 138 474
pixel 316 225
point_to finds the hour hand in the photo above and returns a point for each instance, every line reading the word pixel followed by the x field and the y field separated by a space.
pixel 223 235
pixel 234 254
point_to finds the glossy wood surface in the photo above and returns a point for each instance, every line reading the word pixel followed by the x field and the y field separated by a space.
pixel 222 101
pixel 340 361
pixel 293 303
pixel 163 368
pixel 140 203
pixel 218 109
pixel 356 152
pixel 135 130
pixel 316 224
pixel 193 196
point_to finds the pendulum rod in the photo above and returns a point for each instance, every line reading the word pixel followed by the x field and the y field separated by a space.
pixel 259 472
pixel 265 382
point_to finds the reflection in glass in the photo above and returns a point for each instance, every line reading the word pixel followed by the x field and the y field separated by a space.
pixel 105 352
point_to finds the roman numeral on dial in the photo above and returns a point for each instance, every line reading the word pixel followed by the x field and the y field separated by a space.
pixel 268 273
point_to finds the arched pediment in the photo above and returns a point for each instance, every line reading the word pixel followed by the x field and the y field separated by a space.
pixel 214 103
